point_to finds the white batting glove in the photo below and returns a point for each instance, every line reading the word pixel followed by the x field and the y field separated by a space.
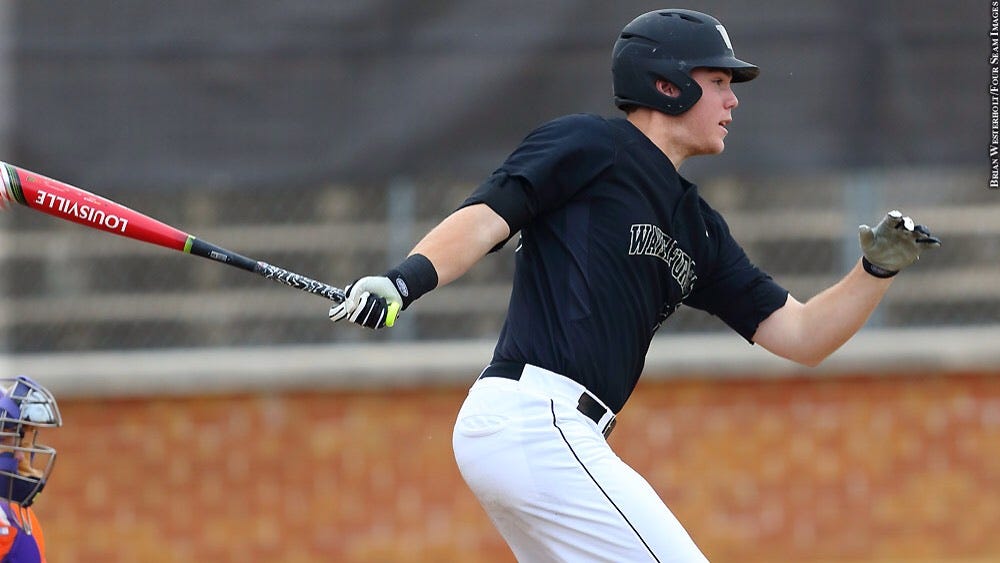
pixel 372 302
pixel 895 243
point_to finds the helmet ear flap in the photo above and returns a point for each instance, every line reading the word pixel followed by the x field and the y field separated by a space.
pixel 690 92
pixel 636 72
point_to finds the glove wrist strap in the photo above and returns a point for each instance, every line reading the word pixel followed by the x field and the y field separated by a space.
pixel 413 277
pixel 877 271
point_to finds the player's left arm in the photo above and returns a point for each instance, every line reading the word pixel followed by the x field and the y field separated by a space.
pixel 809 332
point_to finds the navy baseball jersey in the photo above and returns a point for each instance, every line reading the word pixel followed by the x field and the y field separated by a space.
pixel 612 241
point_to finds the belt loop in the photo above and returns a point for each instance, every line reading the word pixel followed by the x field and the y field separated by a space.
pixel 610 427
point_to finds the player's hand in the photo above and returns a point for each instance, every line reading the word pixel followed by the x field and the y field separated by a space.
pixel 895 243
pixel 371 302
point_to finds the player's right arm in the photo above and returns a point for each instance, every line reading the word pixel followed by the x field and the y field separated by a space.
pixel 442 256
pixel 461 240
pixel 552 163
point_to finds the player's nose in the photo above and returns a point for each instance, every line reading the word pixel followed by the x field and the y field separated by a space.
pixel 733 101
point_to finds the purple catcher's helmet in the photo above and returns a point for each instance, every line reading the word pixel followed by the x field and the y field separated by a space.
pixel 25 463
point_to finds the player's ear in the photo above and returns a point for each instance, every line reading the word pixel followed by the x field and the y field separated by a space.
pixel 668 88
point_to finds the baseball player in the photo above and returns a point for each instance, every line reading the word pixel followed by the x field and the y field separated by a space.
pixel 612 240
pixel 25 465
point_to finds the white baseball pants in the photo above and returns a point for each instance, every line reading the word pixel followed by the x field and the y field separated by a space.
pixel 551 484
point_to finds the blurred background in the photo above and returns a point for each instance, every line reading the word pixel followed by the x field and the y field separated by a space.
pixel 211 415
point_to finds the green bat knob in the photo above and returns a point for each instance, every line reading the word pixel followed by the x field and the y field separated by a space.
pixel 390 317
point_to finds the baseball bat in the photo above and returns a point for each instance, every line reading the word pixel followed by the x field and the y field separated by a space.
pixel 74 204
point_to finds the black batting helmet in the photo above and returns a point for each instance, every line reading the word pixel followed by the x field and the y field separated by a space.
pixel 667 45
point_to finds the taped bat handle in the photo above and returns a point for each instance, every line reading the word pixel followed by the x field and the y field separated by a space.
pixel 299 281
pixel 198 247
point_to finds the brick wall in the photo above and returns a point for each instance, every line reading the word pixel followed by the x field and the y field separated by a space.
pixel 846 469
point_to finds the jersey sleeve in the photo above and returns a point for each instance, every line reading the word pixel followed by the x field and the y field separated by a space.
pixel 547 169
pixel 735 290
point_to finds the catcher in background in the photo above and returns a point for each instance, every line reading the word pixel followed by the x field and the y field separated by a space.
pixel 612 240
pixel 25 466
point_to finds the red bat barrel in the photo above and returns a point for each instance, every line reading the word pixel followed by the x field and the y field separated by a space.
pixel 80 206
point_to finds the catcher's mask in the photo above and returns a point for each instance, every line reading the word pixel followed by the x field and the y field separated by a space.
pixel 668 45
pixel 25 463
